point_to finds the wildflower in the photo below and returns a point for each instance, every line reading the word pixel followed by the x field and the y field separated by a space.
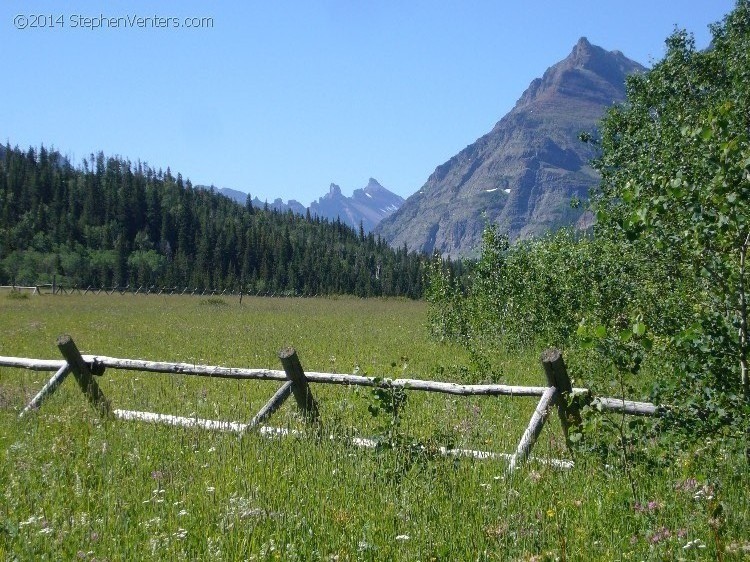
pixel 497 531
pixel 687 486
pixel 660 535
pixel 210 489
pixel 214 548
pixel 737 547
pixel 706 492
pixel 697 543
pixel 182 513
pixel 180 534
pixel 30 521
pixel 647 508
pixel 152 522
pixel 402 537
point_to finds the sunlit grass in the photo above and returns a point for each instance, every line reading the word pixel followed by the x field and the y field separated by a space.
pixel 76 487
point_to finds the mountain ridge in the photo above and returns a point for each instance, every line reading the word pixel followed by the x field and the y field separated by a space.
pixel 522 174
pixel 366 206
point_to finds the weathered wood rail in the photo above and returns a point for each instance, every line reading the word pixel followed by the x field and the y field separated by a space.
pixel 558 392
pixel 33 289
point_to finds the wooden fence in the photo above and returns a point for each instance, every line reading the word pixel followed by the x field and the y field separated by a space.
pixel 33 289
pixel 557 393
pixel 56 289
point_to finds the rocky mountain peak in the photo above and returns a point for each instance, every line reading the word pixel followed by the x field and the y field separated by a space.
pixel 522 174
pixel 582 49
pixel 367 206
pixel 587 71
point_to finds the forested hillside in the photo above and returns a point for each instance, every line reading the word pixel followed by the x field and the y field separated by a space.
pixel 111 222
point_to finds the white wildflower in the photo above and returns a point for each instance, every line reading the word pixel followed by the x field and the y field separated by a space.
pixel 180 534
pixel 213 547
pixel 31 520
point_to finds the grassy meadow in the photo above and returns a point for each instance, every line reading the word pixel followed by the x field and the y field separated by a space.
pixel 75 487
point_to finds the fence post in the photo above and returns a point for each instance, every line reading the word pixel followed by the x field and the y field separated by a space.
pixel 557 376
pixel 534 429
pixel 272 405
pixel 83 375
pixel 300 387
pixel 47 390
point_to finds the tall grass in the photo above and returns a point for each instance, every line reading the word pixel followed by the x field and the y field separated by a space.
pixel 76 487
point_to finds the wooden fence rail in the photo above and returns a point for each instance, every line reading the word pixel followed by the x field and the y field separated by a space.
pixel 558 392
pixel 58 289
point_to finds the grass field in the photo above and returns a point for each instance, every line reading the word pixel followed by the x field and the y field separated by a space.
pixel 76 487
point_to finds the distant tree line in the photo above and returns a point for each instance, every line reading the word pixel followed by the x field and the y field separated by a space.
pixel 111 222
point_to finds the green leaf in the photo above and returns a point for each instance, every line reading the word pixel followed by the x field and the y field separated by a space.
pixel 639 328
pixel 625 335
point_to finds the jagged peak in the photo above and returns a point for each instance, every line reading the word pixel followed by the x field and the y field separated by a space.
pixel 583 44
pixel 584 53
pixel 609 66
pixel 334 190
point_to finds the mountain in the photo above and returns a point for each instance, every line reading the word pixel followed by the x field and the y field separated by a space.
pixel 241 197
pixel 367 206
pixel 523 174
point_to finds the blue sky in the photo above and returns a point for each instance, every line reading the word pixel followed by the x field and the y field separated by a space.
pixel 280 99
